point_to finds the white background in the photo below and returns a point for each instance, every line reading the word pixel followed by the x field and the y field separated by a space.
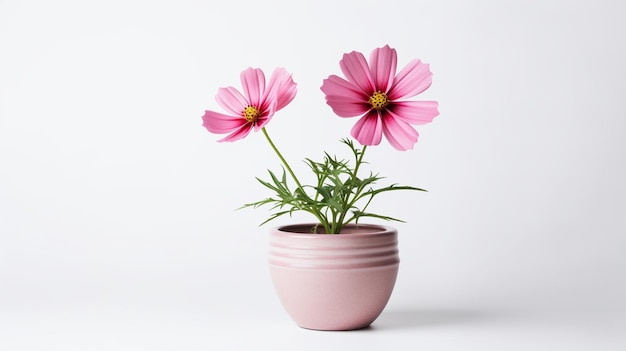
pixel 118 228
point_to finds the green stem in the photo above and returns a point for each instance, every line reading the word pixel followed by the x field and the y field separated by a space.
pixel 313 211
pixel 282 159
pixel 359 160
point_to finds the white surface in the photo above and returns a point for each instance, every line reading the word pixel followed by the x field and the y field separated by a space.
pixel 117 228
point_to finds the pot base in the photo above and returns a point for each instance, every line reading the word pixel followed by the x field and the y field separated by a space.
pixel 334 299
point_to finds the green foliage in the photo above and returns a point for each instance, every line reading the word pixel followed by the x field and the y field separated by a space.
pixel 338 196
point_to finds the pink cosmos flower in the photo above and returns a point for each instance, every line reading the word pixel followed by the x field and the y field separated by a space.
pixel 254 108
pixel 377 94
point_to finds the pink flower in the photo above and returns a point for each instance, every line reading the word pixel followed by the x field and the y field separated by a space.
pixel 254 108
pixel 376 93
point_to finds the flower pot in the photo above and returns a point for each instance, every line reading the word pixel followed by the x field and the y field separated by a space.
pixel 334 281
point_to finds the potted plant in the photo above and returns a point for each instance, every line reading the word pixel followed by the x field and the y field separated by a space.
pixel 335 273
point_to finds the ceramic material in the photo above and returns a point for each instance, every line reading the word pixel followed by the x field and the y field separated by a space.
pixel 334 281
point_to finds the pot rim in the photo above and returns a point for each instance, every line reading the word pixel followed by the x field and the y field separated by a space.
pixel 352 230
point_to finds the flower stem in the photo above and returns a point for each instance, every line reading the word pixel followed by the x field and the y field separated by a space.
pixel 312 210
pixel 359 159
pixel 282 159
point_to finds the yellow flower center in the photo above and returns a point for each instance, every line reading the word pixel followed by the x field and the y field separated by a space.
pixel 379 100
pixel 251 113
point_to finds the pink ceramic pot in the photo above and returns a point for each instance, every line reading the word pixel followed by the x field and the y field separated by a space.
pixel 334 281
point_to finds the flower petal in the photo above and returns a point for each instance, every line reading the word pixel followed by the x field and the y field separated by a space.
pixel 400 134
pixel 344 97
pixel 355 68
pixel 412 80
pixel 368 129
pixel 238 134
pixel 414 112
pixel 383 63
pixel 281 88
pixel 337 86
pixel 343 107
pixel 265 116
pixel 219 123
pixel 253 83
pixel 230 99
